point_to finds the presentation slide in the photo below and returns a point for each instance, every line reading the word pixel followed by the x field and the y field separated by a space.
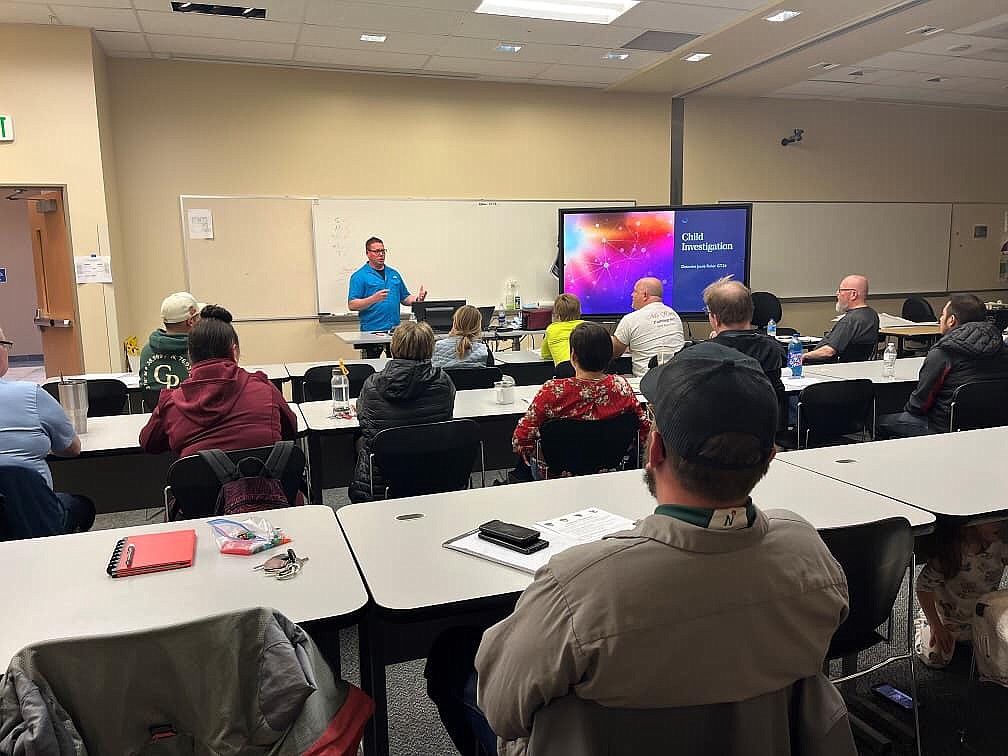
pixel 604 253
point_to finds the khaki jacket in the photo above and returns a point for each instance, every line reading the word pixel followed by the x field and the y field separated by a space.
pixel 666 615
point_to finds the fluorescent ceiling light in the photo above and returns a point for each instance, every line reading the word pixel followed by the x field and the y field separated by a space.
pixel 781 16
pixel 927 31
pixel 508 47
pixel 373 37
pixel 584 11
pixel 696 57
pixel 615 56
pixel 823 66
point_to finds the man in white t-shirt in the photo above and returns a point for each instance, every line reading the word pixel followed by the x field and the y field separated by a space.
pixel 652 327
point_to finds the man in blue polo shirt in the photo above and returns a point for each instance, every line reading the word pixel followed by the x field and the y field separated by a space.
pixel 376 291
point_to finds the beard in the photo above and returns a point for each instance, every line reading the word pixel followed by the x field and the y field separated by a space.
pixel 650 482
pixel 841 307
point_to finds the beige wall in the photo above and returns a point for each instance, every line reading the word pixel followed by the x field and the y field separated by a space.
pixel 850 152
pixel 190 128
pixel 48 88
pixel 18 298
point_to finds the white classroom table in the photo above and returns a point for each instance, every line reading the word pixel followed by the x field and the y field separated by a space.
pixel 907 369
pixel 520 357
pixel 417 585
pixel 360 339
pixel 120 434
pixel 61 590
pixel 950 474
pixel 297 370
pixel 274 371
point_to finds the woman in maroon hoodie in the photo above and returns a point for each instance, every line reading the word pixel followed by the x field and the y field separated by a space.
pixel 220 405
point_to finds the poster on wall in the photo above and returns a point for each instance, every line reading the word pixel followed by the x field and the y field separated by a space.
pixel 200 224
pixel 93 269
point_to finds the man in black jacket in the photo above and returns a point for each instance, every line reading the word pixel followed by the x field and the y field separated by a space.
pixel 971 349
pixel 729 310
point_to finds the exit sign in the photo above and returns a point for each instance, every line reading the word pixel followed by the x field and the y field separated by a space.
pixel 6 128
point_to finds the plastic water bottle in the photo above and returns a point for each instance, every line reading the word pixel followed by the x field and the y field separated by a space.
pixel 889 361
pixel 794 356
pixel 340 392
pixel 771 328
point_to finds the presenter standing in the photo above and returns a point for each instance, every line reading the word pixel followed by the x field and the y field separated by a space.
pixel 376 291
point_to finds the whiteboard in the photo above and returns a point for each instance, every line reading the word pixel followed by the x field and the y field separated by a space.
pixel 803 249
pixel 458 249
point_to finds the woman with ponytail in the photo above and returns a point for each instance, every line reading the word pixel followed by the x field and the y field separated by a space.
pixel 220 405
pixel 463 347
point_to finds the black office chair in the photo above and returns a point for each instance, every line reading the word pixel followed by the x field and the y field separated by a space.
pixel 529 373
pixel 832 413
pixel 622 365
pixel 106 396
pixel 474 378
pixel 423 459
pixel 859 352
pixel 875 557
pixel 192 485
pixel 584 447
pixel 918 309
pixel 149 398
pixel 563 370
pixel 766 307
pixel 980 404
pixel 30 509
pixel 486 316
pixel 317 385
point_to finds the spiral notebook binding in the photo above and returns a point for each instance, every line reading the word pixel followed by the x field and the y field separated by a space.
pixel 113 565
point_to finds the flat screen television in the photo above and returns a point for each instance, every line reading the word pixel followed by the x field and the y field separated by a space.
pixel 605 251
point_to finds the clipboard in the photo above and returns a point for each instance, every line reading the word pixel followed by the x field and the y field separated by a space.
pixel 152 552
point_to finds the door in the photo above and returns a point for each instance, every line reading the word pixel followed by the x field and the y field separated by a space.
pixel 54 284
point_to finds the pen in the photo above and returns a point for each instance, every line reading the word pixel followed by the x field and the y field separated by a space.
pixel 129 554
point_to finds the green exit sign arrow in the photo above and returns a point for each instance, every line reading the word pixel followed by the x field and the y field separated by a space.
pixel 6 128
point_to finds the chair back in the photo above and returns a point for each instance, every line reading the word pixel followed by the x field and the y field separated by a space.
pixel 805 718
pixel 474 378
pixel 106 396
pixel 875 557
pixel 423 459
pixel 584 447
pixel 980 404
pixel 766 307
pixel 486 316
pixel 195 486
pixel 149 398
pixel 859 352
pixel 835 408
pixel 565 369
pixel 30 509
pixel 918 309
pixel 317 386
pixel 529 373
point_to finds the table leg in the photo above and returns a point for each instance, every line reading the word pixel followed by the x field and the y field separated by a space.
pixel 372 671
pixel 314 468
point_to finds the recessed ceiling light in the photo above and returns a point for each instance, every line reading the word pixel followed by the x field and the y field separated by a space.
pixel 235 11
pixel 935 79
pixel 927 31
pixel 508 47
pixel 373 37
pixel 696 57
pixel 584 11
pixel 615 56
pixel 823 66
pixel 859 72
pixel 781 16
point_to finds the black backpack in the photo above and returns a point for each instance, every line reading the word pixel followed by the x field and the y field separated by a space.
pixel 251 485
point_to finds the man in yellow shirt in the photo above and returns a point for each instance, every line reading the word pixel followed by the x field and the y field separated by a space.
pixel 566 317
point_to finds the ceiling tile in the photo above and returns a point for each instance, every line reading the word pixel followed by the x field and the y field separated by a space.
pixel 448 5
pixel 601 75
pixel 230 49
pixel 23 13
pixel 380 17
pixel 981 27
pixel 359 58
pixel 868 75
pixel 675 17
pixel 87 3
pixel 105 19
pixel 276 10
pixel 940 44
pixel 984 68
pixel 920 80
pixel 501 68
pixel 199 25
pixel 487 26
pixel 531 52
pixel 592 56
pixel 901 61
pixel 350 39
pixel 122 42
pixel 822 88
pixel 746 5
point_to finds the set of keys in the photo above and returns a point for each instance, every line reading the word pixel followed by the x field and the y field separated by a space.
pixel 282 567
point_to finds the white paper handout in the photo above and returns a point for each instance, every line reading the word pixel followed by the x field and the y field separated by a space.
pixel 200 224
pixel 93 269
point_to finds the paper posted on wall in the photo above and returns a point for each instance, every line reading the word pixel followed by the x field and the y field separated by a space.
pixel 93 269
pixel 200 224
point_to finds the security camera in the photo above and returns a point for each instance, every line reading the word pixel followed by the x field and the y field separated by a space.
pixel 796 137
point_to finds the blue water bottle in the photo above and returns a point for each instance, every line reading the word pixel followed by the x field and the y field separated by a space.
pixel 771 329
pixel 794 356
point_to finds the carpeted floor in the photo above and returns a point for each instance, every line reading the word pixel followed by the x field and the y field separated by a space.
pixel 948 702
